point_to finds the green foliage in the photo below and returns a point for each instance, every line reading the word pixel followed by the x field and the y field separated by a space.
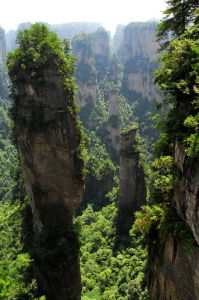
pixel 100 114
pixel 163 218
pixel 10 186
pixel 129 128
pixel 178 15
pixel 193 140
pixel 39 48
pixel 148 217
pixel 14 262
pixel 85 73
pixel 99 175
pixel 107 274
pixel 161 180
pixel 178 74
pixel 3 82
pixel 126 112
pixel 83 43
pixel 9 168
pixel 178 78
pixel 97 160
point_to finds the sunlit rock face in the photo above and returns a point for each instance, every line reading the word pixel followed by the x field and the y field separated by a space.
pixel 49 143
pixel 132 194
pixel 2 45
pixel 138 52
pixel 85 73
pixel 92 52
pixel 98 74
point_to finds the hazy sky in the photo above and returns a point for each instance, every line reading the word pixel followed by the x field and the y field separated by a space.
pixel 108 12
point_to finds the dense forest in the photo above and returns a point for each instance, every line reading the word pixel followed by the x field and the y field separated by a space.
pixel 99 147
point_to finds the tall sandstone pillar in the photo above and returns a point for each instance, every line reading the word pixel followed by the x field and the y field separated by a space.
pixel 132 193
pixel 48 142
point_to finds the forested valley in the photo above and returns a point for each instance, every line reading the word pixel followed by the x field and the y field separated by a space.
pixel 99 147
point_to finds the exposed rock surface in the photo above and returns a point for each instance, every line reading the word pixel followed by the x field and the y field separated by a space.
pixel 48 143
pixel 2 45
pixel 113 126
pixel 138 53
pixel 187 190
pixel 101 51
pixel 86 73
pixel 92 52
pixel 69 30
pixel 132 193
pixel 173 270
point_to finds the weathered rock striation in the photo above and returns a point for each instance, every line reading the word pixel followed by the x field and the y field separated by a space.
pixel 101 45
pixel 174 273
pixel 132 194
pixel 92 52
pixel 173 265
pixel 85 73
pixel 172 270
pixel 48 141
pixel 98 74
pixel 138 52
pixel 2 45
pixel 186 194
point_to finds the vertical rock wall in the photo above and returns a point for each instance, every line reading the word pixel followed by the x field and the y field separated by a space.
pixel 173 270
pixel 138 52
pixel 85 73
pixel 48 142
pixel 2 45
pixel 132 193
pixel 174 275
pixel 174 263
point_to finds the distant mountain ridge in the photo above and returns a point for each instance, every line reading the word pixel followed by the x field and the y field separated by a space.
pixel 64 30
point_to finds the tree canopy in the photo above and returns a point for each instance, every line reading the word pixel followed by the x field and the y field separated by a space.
pixel 178 15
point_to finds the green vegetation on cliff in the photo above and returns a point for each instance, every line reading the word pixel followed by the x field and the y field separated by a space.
pixel 178 77
pixel 39 47
pixel 41 57
pixel 108 271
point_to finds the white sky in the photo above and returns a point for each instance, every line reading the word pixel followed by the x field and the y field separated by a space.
pixel 108 12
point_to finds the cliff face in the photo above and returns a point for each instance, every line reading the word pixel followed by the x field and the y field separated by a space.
pixel 173 270
pixel 138 53
pixel 174 266
pixel 132 193
pixel 2 45
pixel 94 64
pixel 3 71
pixel 101 51
pixel 48 142
pixel 70 30
pixel 113 126
pixel 92 52
pixel 187 190
pixel 65 30
pixel 86 74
